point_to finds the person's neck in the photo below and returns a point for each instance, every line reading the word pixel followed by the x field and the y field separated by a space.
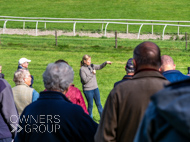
pixel 130 73
pixel 64 92
pixel 146 68
pixel 168 69
pixel 22 67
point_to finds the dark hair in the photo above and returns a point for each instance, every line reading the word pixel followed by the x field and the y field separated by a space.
pixel 61 61
pixel 147 53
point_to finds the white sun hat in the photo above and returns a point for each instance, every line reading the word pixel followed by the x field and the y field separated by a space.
pixel 23 60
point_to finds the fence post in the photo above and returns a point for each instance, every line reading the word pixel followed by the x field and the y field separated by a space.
pixel 4 26
pixel 115 39
pixel 44 24
pixel 152 28
pixel 55 37
pixel 102 30
pixel 127 27
pixel 36 28
pixel 186 40
pixel 178 29
pixel 163 32
pixel 139 31
pixel 106 28
pixel 74 28
pixel 23 24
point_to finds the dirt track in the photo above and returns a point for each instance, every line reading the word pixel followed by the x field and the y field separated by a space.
pixel 89 34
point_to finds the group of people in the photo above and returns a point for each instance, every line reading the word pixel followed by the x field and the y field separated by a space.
pixel 58 79
pixel 150 103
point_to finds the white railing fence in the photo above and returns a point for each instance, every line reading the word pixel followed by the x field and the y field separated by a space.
pixel 74 21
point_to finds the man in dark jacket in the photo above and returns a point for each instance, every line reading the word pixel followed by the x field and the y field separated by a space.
pixel 127 102
pixel 167 117
pixel 168 70
pixel 129 68
pixel 53 118
pixel 8 113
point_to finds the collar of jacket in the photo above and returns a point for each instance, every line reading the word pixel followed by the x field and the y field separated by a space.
pixel 20 67
pixel 171 71
pixel 148 73
pixel 127 76
pixel 85 65
pixel 53 95
pixel 147 69
pixel 22 84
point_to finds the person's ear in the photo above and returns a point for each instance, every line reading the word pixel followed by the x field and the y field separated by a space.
pixel 134 63
pixel 174 67
pixel 161 70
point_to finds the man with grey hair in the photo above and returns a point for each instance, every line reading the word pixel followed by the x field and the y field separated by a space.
pixel 168 70
pixel 129 68
pixel 23 94
pixel 56 118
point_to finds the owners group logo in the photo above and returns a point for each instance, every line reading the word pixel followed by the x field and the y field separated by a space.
pixel 38 124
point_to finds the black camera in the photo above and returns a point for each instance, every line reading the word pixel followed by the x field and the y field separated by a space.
pixel 188 68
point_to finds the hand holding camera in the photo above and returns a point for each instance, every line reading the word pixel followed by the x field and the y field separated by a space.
pixel 94 71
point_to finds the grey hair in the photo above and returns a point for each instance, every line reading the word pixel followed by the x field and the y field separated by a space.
pixel 19 76
pixel 58 76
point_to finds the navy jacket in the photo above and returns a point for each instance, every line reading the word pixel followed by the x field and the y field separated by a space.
pixel 53 118
pixel 8 111
pixel 174 75
pixel 125 78
pixel 168 115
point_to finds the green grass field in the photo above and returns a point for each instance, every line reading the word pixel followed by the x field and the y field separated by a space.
pixel 98 9
pixel 41 49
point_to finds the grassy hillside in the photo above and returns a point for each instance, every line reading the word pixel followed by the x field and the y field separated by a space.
pixel 120 9
pixel 103 9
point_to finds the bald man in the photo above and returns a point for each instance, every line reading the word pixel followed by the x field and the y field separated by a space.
pixel 168 70
pixel 127 102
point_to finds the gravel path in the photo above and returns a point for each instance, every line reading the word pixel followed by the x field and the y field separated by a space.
pixel 89 34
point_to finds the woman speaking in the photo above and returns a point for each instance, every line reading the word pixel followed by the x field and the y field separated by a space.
pixel 89 82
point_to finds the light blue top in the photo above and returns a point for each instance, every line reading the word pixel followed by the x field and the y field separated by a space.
pixel 35 95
